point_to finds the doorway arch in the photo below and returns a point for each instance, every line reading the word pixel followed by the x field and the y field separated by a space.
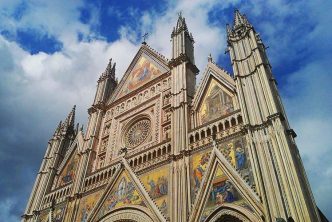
pixel 129 214
pixel 232 213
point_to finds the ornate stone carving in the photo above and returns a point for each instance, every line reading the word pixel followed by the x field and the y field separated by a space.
pixel 128 215
pixel 138 133
pixel 226 212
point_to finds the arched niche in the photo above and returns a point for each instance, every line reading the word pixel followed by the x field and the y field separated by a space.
pixel 128 214
pixel 232 213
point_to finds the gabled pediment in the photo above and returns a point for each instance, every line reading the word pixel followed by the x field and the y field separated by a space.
pixel 146 66
pixel 124 192
pixel 222 186
pixel 68 167
pixel 212 71
pixel 215 96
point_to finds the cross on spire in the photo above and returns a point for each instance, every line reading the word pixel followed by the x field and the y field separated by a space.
pixel 145 37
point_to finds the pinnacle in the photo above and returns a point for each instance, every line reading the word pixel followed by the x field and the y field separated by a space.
pixel 181 24
pixel 240 22
pixel 239 19
pixel 110 69
pixel 58 129
pixel 210 58
pixel 109 66
pixel 70 120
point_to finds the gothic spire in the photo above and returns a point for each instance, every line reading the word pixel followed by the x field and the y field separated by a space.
pixel 70 120
pixel 181 23
pixel 110 70
pixel 210 58
pixel 240 19
pixel 58 129
pixel 181 26
pixel 240 24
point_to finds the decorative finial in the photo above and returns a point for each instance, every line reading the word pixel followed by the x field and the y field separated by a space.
pixel 210 58
pixel 145 37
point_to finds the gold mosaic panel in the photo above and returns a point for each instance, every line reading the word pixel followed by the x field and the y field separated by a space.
pixel 87 204
pixel 156 183
pixel 222 191
pixel 216 103
pixel 122 194
pixel 144 71
pixel 68 173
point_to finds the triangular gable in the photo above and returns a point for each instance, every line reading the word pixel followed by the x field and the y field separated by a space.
pixel 222 170
pixel 220 75
pixel 124 191
pixel 68 172
pixel 222 191
pixel 69 164
pixel 146 66
pixel 216 102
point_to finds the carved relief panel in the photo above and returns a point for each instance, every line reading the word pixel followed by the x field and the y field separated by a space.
pixel 136 129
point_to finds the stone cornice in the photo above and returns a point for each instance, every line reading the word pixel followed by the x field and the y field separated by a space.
pixel 183 58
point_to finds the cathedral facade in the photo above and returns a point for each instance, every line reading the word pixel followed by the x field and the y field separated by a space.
pixel 158 148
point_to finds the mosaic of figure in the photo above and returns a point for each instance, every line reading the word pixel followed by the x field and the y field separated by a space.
pixel 236 153
pixel 222 191
pixel 163 207
pixel 44 216
pixel 158 188
pixel 125 194
pixel 68 173
pixel 87 204
pixel 199 166
pixel 156 183
pixel 122 194
pixel 143 72
pixel 216 103
pixel 240 158
pixel 58 213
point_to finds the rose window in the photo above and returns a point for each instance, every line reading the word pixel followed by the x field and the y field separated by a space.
pixel 138 133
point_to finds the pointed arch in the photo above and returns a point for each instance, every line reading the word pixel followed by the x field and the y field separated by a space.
pixel 231 212
pixel 130 213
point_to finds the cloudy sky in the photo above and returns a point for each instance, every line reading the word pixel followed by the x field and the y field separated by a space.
pixel 52 53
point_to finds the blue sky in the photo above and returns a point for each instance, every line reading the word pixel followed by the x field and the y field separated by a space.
pixel 52 53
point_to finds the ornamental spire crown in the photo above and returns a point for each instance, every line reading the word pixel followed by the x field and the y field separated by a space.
pixel 240 24
pixel 70 120
pixel 239 19
pixel 109 71
pixel 181 23
pixel 181 26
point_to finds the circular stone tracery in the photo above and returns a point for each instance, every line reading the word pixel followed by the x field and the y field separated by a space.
pixel 138 133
